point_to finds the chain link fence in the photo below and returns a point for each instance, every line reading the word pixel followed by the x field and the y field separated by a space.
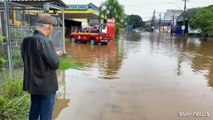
pixel 16 22
pixel 57 38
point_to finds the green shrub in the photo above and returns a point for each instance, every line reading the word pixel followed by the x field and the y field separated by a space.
pixel 14 102
pixel 16 108
pixel 16 56
pixel 13 88
pixel 2 102
pixel 1 39
pixel 2 62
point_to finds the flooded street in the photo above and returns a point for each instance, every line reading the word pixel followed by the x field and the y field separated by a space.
pixel 139 76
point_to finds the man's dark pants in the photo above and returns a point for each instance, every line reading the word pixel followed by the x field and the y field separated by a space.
pixel 42 107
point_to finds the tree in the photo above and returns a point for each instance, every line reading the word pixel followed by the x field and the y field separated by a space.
pixel 203 20
pixel 113 9
pixel 135 20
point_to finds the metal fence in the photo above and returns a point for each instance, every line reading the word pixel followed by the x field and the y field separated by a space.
pixel 16 22
pixel 57 38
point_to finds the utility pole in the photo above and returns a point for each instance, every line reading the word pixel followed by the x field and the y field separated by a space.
pixel 159 21
pixel 173 23
pixel 164 22
pixel 184 16
pixel 152 25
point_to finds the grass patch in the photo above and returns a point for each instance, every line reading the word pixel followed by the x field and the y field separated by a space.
pixel 14 102
pixel 66 63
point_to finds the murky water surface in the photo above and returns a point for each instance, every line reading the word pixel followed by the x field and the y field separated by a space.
pixel 139 76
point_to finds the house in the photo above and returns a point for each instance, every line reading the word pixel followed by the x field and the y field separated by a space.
pixel 179 22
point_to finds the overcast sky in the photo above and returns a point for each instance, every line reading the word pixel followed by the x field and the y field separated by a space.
pixel 145 8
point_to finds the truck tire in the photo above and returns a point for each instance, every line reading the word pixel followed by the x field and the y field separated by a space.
pixel 104 43
pixel 92 42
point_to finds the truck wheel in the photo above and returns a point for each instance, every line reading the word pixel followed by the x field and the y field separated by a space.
pixel 72 39
pixel 104 43
pixel 92 42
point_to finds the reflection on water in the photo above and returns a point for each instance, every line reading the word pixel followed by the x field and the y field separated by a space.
pixel 61 101
pixel 147 74
pixel 197 53
pixel 203 58
pixel 135 36
pixel 107 59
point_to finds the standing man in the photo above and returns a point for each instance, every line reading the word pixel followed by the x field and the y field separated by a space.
pixel 40 64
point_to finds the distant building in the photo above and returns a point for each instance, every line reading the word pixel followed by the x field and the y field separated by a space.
pixel 166 22
pixel 80 15
pixel 85 13
pixel 147 23
pixel 172 15
pixel 148 26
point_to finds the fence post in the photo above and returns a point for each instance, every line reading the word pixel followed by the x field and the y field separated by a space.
pixel 9 48
pixel 0 24
pixel 63 31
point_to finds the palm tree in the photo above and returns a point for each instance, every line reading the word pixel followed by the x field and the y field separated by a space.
pixel 113 9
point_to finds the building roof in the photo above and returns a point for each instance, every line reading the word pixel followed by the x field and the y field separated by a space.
pixel 189 13
pixel 82 11
pixel 83 7
pixel 39 3
pixel 175 11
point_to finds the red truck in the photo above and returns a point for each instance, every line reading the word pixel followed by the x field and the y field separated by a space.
pixel 90 35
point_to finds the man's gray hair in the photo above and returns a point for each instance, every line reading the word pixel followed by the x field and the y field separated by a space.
pixel 42 25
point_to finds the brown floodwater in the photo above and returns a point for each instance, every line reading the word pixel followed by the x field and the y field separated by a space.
pixel 138 76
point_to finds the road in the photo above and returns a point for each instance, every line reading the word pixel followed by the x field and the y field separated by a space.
pixel 139 76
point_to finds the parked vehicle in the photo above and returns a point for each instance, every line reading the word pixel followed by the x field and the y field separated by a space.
pixel 91 35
